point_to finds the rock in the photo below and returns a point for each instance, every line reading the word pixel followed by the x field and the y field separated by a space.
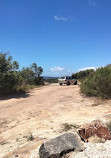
pixel 96 150
pixel 58 146
pixel 97 128
pixel 96 139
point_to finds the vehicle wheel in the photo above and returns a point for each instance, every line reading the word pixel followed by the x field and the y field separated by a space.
pixel 68 83
pixel 75 82
pixel 60 84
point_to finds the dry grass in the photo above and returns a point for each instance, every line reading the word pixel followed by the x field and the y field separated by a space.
pixel 109 126
pixel 66 127
pixel 95 104
pixel 30 137
pixel 3 142
pixel 26 87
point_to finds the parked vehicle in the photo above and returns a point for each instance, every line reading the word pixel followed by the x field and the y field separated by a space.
pixel 67 80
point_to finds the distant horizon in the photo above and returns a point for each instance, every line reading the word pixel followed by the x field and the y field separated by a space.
pixel 62 37
pixel 55 69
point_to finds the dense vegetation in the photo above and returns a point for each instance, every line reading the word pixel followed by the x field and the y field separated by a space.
pixel 13 80
pixel 51 80
pixel 82 74
pixel 97 83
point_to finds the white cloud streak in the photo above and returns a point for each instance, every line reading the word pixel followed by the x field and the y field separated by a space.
pixel 92 2
pixel 57 69
pixel 87 68
pixel 60 18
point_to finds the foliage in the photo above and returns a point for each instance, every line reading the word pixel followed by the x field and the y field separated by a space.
pixel 31 75
pixel 66 127
pixel 51 80
pixel 98 84
pixel 82 74
pixel 88 86
pixel 8 74
pixel 37 70
pixel 23 88
pixel 12 81
pixel 27 75
pixel 30 137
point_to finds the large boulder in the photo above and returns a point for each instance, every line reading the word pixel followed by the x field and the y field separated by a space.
pixel 95 127
pixel 58 146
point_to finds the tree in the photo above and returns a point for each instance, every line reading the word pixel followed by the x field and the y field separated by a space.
pixel 31 75
pixel 27 75
pixel 37 70
pixel 8 76
pixel 11 80
pixel 40 71
pixel 15 65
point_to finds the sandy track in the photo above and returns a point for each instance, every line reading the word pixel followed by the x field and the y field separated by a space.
pixel 42 114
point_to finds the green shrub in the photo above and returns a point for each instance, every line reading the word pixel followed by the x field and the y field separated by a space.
pixel 82 74
pixel 31 75
pixel 51 80
pixel 23 88
pixel 98 84
pixel 66 127
pixel 88 87
pixel 13 81
pixel 8 74
pixel 30 137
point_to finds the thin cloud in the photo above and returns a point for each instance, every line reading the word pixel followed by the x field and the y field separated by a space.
pixel 87 68
pixel 92 2
pixel 57 69
pixel 60 18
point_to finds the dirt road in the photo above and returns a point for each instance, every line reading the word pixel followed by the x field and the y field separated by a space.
pixel 42 114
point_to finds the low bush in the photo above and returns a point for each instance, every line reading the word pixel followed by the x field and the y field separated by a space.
pixel 82 74
pixel 51 80
pixel 9 77
pixel 66 127
pixel 98 83
pixel 13 81
pixel 23 88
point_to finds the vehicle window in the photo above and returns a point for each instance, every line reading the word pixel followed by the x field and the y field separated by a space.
pixel 62 77
pixel 68 77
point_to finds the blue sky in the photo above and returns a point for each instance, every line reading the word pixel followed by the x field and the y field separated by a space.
pixel 62 36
